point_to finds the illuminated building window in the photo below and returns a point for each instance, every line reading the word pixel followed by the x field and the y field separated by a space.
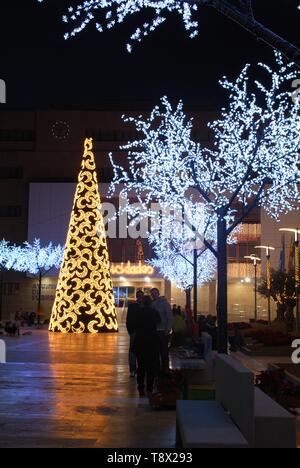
pixel 249 233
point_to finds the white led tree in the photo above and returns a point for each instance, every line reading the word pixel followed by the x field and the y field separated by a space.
pixel 5 260
pixel 254 162
pixel 180 269
pixel 106 14
pixel 5 249
pixel 36 260
pixel 177 241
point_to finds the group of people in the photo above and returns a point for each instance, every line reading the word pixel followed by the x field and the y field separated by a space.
pixel 20 318
pixel 184 326
pixel 149 324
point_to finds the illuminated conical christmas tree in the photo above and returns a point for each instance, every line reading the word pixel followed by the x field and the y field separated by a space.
pixel 84 300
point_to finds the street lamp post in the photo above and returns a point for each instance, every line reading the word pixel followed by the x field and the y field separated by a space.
pixel 297 273
pixel 255 260
pixel 268 250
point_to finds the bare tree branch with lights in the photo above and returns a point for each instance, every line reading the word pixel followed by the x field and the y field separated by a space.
pixel 5 263
pixel 106 14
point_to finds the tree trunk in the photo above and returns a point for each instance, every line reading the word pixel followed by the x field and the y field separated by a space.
pixel 260 31
pixel 280 312
pixel 188 293
pixel 222 306
pixel 289 317
pixel 39 298
pixel 1 294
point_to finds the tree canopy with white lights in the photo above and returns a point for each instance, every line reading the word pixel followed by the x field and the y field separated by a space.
pixel 35 259
pixel 254 161
pixel 106 14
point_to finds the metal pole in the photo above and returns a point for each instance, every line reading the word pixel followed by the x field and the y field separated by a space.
pixel 222 306
pixel 269 286
pixel 195 284
pixel 255 291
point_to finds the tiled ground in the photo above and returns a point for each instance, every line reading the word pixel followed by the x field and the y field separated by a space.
pixel 74 391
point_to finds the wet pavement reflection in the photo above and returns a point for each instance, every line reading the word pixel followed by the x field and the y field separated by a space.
pixel 75 391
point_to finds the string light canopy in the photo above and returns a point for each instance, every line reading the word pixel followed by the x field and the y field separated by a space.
pixel 254 161
pixel 107 14
pixel 5 254
pixel 36 259
pixel 84 301
pixel 180 269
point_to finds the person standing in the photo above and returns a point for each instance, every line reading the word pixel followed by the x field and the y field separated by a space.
pixel 147 346
pixel 132 314
pixel 161 305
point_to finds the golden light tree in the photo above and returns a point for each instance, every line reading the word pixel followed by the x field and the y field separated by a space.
pixel 84 301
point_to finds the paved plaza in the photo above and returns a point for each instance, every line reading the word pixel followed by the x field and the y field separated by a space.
pixel 74 391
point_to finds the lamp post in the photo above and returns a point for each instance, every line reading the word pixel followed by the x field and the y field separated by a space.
pixel 268 249
pixel 297 272
pixel 255 261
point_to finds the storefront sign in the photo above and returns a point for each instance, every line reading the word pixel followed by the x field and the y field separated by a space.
pixel 131 269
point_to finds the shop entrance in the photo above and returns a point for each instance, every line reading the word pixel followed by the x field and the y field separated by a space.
pixel 126 294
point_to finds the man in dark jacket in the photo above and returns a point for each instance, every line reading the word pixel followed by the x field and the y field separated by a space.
pixel 133 310
pixel 147 346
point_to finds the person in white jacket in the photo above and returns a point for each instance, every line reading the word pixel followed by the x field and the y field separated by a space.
pixel 164 328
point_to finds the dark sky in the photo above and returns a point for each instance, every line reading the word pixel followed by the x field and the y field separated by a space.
pixel 42 70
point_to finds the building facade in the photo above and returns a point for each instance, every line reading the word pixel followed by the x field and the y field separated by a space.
pixel 40 155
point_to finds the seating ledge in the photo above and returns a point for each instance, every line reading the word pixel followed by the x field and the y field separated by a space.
pixel 205 424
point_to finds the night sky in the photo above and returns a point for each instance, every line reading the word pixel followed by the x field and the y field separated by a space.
pixel 44 71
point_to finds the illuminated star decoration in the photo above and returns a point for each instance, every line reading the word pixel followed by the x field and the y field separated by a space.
pixel 84 301
pixel 117 11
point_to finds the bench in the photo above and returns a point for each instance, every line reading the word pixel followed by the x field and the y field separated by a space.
pixel 226 422
pixel 240 413
pixel 274 426
pixel 204 424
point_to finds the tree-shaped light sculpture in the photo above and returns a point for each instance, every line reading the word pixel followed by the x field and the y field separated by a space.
pixel 36 260
pixel 84 300
pixel 255 160
pixel 106 14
